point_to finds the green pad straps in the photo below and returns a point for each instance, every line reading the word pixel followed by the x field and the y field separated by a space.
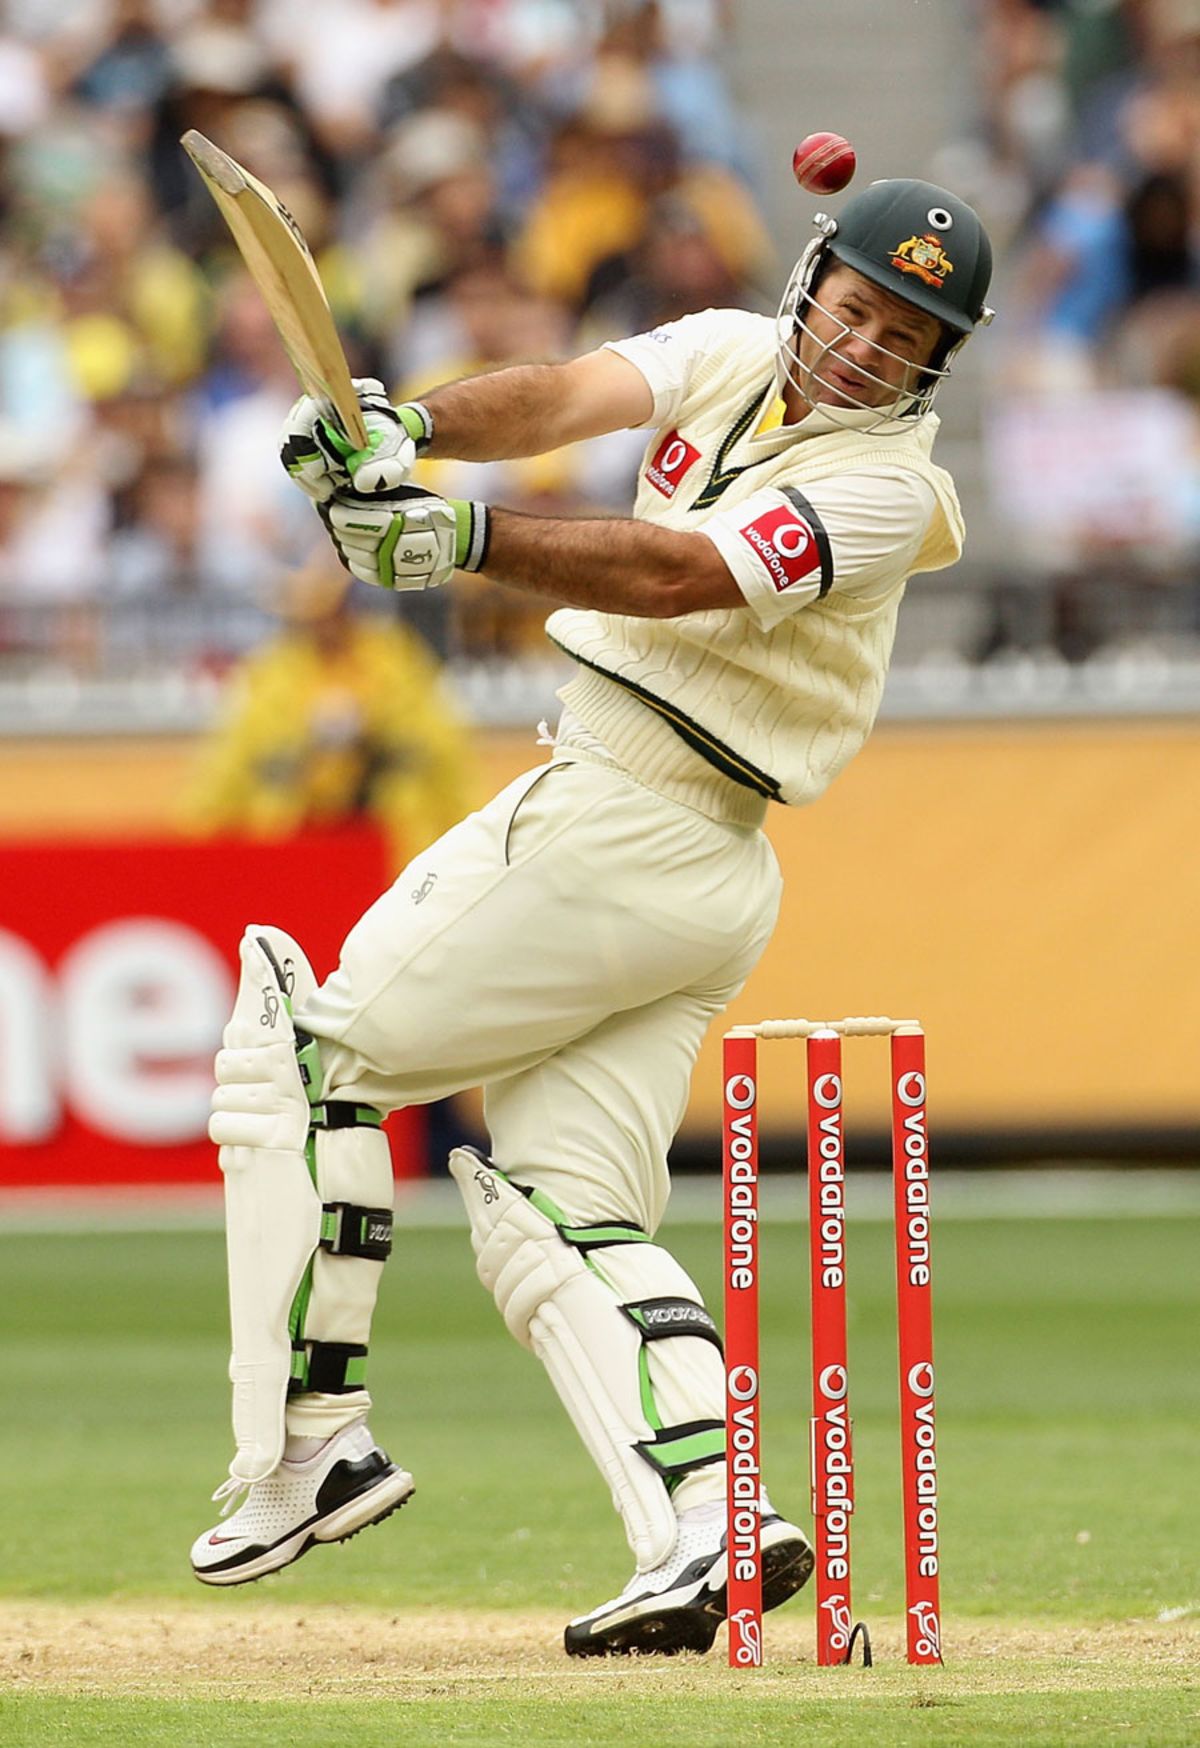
pixel 585 1239
pixel 658 1319
pixel 674 1450
pixel 341 1114
pixel 333 1367
pixel 347 1230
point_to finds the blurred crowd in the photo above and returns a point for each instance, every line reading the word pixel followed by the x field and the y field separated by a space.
pixel 1093 116
pixel 486 181
pixel 1084 151
pixel 481 181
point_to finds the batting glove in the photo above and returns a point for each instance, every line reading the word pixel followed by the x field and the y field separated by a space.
pixel 406 538
pixel 322 460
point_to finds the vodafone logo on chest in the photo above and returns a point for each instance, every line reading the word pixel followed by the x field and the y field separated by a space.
pixel 670 461
pixel 787 544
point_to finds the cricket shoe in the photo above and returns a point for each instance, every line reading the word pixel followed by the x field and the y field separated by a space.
pixel 679 1605
pixel 344 1486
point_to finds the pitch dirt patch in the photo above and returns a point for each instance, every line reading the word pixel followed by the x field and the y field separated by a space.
pixel 261 1651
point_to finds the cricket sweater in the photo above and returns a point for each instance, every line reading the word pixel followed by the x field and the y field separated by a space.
pixel 821 526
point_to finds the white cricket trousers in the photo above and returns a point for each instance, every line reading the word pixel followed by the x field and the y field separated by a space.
pixel 566 948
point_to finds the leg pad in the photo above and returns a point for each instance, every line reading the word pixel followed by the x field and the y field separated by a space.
pixel 590 1301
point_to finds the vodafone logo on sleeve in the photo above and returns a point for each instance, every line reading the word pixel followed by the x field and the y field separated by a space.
pixel 670 462
pixel 786 543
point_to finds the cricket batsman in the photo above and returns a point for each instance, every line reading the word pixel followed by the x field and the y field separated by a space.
pixel 567 946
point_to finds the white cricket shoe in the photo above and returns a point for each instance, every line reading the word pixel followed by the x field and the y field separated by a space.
pixel 679 1605
pixel 344 1486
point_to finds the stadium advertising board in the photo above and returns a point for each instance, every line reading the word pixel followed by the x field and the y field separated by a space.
pixel 117 973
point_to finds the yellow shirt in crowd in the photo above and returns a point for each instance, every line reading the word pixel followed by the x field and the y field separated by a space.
pixel 320 731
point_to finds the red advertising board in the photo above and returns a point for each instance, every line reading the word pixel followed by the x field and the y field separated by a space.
pixel 118 964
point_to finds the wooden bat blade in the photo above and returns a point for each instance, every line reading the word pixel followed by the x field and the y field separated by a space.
pixel 278 260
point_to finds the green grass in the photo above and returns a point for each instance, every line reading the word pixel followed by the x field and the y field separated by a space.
pixel 728 1720
pixel 1068 1433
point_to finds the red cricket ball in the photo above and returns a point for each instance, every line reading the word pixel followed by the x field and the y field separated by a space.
pixel 824 163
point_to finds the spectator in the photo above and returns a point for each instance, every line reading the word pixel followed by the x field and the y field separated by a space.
pixel 248 525
pixel 673 45
pixel 682 262
pixel 339 59
pixel 154 546
pixel 481 317
pixel 134 67
pixel 533 41
pixel 441 222
pixel 340 717
pixel 1160 222
pixel 134 275
pixel 54 522
pixel 25 95
pixel 593 204
pixel 1075 278
pixel 38 390
pixel 514 123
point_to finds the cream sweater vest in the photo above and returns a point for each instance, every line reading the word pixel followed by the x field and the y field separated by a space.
pixel 778 712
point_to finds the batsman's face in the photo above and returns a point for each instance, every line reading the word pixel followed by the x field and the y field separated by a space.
pixel 858 345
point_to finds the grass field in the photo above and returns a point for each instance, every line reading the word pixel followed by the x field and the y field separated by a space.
pixel 1068 1425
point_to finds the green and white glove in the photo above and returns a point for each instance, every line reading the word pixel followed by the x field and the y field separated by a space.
pixel 323 461
pixel 406 538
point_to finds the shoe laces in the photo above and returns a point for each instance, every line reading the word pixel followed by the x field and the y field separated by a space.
pixel 355 1441
pixel 231 1491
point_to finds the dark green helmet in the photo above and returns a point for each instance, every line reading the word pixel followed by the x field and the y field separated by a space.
pixel 915 241
pixel 919 242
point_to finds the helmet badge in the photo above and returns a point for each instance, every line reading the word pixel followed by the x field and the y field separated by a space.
pixel 925 257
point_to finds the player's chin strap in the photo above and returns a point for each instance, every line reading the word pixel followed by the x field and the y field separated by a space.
pixel 590 1301
pixel 308 1214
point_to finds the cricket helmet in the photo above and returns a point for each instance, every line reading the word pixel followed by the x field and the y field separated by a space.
pixel 914 240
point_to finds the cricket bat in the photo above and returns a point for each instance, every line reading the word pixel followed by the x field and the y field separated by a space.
pixel 279 262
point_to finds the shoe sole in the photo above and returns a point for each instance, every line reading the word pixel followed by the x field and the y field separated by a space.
pixel 787 1567
pixel 357 1513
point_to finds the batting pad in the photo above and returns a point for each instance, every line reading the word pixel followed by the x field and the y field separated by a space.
pixel 351 1163
pixel 590 1322
pixel 260 1123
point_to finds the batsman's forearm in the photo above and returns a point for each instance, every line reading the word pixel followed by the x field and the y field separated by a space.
pixel 497 417
pixel 617 566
